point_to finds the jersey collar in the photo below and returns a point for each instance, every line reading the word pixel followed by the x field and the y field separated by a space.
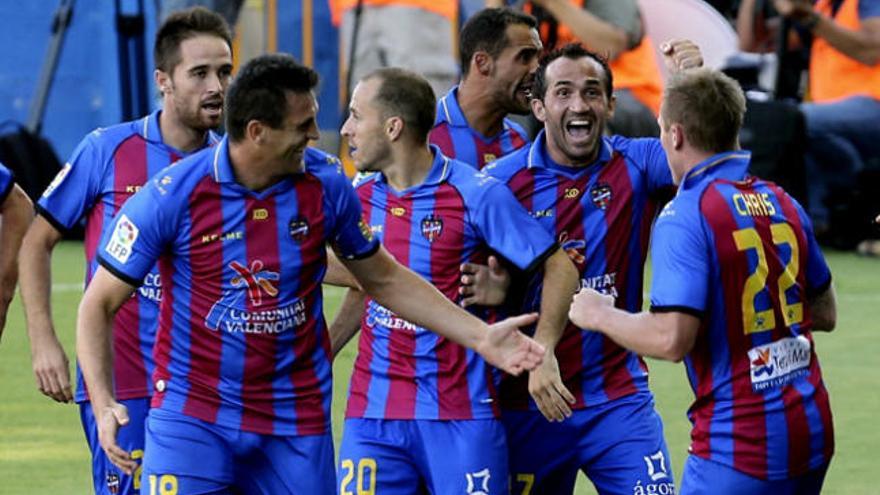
pixel 730 165
pixel 150 131
pixel 539 157
pixel 221 166
pixel 449 111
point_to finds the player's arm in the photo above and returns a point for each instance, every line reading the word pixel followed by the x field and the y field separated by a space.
pixel 545 382
pixel 402 291
pixel 667 335
pixel 49 361
pixel 104 295
pixel 337 274
pixel 347 321
pixel 17 211
pixel 823 308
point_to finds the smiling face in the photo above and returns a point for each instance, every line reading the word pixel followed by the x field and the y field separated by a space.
pixel 193 93
pixel 288 143
pixel 364 128
pixel 575 109
pixel 514 68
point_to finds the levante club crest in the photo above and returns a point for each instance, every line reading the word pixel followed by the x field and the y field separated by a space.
pixel 601 195
pixel 298 229
pixel 432 227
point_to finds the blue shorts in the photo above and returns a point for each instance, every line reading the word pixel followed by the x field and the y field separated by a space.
pixel 619 445
pixel 398 457
pixel 185 455
pixel 107 478
pixel 709 477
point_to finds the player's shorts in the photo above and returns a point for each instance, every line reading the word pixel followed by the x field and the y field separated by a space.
pixel 107 478
pixel 398 457
pixel 185 455
pixel 619 445
pixel 702 476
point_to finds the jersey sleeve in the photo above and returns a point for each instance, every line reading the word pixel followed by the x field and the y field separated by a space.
pixel 6 182
pixel 139 234
pixel 508 229
pixel 76 186
pixel 648 156
pixel 818 275
pixel 349 234
pixel 680 263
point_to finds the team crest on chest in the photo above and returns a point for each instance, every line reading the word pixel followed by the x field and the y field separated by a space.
pixel 298 229
pixel 601 195
pixel 432 227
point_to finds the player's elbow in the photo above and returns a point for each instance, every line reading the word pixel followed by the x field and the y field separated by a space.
pixel 673 350
pixel 823 308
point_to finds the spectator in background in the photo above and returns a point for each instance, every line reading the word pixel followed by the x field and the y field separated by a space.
pixel 416 34
pixel 843 114
pixel 612 28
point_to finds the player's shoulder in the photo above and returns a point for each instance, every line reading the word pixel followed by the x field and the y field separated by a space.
pixel 110 137
pixel 323 165
pixel 509 165
pixel 179 178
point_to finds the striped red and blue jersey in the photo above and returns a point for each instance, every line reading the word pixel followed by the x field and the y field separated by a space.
pixel 107 168
pixel 740 254
pixel 601 215
pixel 242 340
pixel 458 140
pixel 456 215
pixel 7 181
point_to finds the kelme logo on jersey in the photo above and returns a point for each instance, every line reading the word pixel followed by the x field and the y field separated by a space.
pixel 59 178
pixel 298 229
pixel 122 239
pixel 601 195
pixel 432 227
pixel 478 483
pixel 779 362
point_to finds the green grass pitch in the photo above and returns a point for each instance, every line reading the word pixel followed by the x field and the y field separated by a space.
pixel 42 449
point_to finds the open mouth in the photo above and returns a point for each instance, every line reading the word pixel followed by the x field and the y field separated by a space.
pixel 579 128
pixel 213 107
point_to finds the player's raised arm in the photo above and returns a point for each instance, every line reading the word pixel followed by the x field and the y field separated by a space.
pixel 104 295
pixel 415 300
pixel 17 211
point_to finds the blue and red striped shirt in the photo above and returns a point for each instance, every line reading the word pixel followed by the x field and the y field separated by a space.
pixel 601 216
pixel 242 340
pixel 456 215
pixel 6 182
pixel 458 140
pixel 107 168
pixel 740 253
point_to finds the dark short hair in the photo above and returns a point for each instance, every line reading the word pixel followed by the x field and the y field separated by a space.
pixel 486 31
pixel 572 51
pixel 407 95
pixel 708 104
pixel 258 92
pixel 182 25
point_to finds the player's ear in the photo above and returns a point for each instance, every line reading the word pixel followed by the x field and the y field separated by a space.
pixel 538 109
pixel 163 80
pixel 394 128
pixel 676 136
pixel 255 131
pixel 483 63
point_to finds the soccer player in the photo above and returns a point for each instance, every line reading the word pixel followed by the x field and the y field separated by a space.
pixel 412 390
pixel 193 57
pixel 597 196
pixel 242 380
pixel 739 284
pixel 499 54
pixel 16 211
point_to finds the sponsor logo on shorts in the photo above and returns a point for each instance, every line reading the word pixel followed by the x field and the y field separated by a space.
pixel 478 483
pixel 659 480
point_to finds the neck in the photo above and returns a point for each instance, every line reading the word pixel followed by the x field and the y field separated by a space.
pixel 477 105
pixel 690 158
pixel 179 136
pixel 251 169
pixel 410 165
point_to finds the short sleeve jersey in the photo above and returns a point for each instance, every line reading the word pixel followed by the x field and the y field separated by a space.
pixel 458 140
pixel 456 215
pixel 740 254
pixel 601 215
pixel 107 168
pixel 242 340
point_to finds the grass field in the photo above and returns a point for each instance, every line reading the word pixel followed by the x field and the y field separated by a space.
pixel 42 449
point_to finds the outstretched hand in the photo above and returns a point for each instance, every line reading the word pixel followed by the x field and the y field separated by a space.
pixel 507 348
pixel 681 55
pixel 482 284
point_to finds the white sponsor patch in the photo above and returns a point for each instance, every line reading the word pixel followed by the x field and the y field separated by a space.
pixel 779 363
pixel 122 240
pixel 59 178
